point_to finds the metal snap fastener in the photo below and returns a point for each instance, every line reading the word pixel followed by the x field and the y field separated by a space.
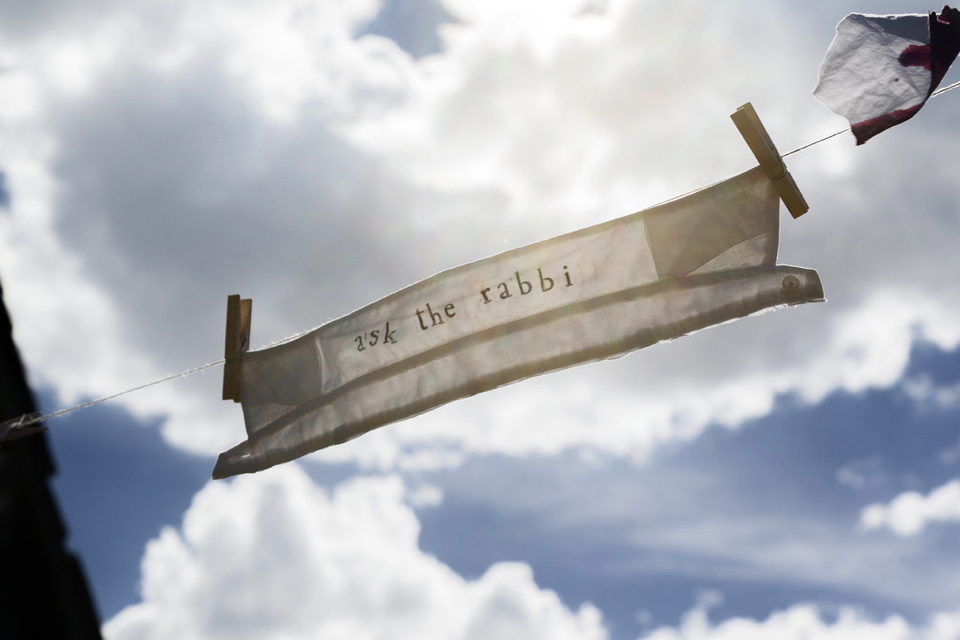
pixel 790 286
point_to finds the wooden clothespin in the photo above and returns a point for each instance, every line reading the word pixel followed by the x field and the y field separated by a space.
pixel 769 158
pixel 237 342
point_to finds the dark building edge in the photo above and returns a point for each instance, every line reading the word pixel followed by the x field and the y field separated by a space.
pixel 43 589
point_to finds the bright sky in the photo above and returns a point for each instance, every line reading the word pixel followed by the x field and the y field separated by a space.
pixel 795 474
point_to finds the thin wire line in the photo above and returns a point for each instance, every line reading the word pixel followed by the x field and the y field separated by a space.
pixel 56 414
pixel 945 89
pixel 9 428
pixel 807 146
pixel 834 135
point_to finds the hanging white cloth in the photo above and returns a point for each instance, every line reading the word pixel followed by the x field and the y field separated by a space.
pixel 596 293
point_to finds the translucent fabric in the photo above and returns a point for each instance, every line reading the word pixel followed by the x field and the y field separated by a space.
pixel 595 293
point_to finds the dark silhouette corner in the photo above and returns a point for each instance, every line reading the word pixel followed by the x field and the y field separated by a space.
pixel 43 590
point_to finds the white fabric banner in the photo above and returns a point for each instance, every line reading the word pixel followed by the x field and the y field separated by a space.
pixel 595 293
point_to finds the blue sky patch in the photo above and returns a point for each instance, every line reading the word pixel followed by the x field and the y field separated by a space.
pixel 412 24
pixel 4 192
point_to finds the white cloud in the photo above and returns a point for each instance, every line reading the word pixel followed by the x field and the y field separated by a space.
pixel 950 455
pixel 807 622
pixel 262 148
pixel 425 495
pixel 927 394
pixel 504 9
pixel 274 555
pixel 910 512
pixel 862 473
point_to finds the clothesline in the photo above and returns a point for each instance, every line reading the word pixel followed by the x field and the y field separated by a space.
pixel 842 131
pixel 30 419
pixel 10 428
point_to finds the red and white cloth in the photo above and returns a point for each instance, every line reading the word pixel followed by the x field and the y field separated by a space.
pixel 880 70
